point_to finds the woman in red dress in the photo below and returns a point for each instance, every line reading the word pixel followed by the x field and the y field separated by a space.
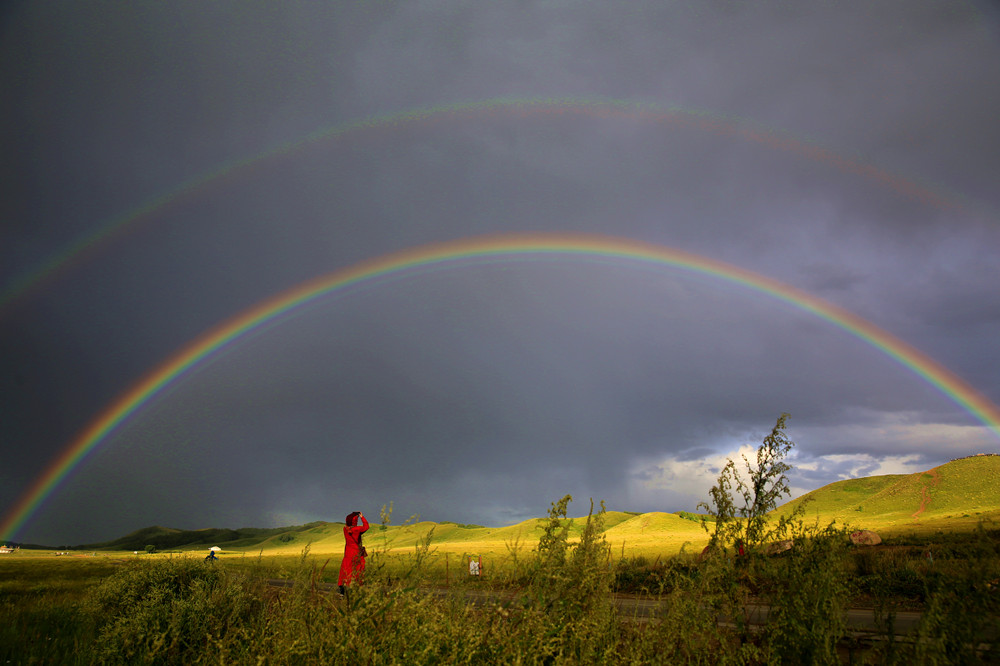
pixel 353 565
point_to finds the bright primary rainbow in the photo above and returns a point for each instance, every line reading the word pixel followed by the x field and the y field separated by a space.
pixel 700 120
pixel 472 249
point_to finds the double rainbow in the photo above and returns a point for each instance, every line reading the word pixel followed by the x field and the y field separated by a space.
pixel 673 116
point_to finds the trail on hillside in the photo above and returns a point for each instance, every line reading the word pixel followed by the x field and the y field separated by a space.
pixel 925 498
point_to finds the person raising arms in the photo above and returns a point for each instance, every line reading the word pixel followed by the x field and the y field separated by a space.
pixel 352 567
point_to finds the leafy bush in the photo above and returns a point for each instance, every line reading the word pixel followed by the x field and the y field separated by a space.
pixel 808 617
pixel 695 517
pixel 576 576
pixel 168 611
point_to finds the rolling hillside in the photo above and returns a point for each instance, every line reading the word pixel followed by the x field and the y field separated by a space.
pixel 960 492
pixel 956 495
pixel 164 538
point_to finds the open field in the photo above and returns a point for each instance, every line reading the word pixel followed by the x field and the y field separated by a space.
pixel 940 563
pixel 120 607
pixel 648 534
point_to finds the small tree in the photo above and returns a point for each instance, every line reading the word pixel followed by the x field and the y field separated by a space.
pixel 553 543
pixel 759 491
pixel 573 580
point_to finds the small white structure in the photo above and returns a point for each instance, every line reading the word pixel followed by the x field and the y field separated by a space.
pixel 7 549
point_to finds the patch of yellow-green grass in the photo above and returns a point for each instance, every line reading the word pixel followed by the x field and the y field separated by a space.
pixel 967 486
pixel 329 539
pixel 656 533
pixel 648 534
pixel 954 496
pixel 27 576
pixel 841 499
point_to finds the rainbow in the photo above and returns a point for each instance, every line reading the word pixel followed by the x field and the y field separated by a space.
pixel 704 121
pixel 496 248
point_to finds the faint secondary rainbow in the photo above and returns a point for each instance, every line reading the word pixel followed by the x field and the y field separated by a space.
pixel 705 121
pixel 508 247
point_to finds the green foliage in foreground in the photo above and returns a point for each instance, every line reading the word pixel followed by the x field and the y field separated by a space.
pixel 551 604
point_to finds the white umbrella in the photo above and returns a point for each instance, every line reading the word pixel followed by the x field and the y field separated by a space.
pixel 216 548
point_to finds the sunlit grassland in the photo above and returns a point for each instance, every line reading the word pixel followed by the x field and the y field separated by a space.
pixel 176 608
pixel 953 497
pixel 40 595
pixel 550 603
pixel 29 574
pixel 650 535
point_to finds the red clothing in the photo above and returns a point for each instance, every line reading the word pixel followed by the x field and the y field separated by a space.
pixel 353 564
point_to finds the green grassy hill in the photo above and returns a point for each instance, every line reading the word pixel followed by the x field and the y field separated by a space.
pixel 842 499
pixel 655 532
pixel 165 538
pixel 956 495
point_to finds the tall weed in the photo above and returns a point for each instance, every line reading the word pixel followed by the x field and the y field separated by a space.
pixel 808 608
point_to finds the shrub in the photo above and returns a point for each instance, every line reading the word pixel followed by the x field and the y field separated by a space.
pixel 808 617
pixel 168 611
pixel 571 584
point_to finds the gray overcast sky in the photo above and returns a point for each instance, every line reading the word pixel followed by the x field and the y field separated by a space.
pixel 482 392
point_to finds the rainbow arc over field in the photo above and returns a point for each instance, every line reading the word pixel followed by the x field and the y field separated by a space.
pixel 705 121
pixel 466 251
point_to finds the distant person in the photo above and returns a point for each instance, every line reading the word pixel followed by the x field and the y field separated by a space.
pixel 211 556
pixel 352 567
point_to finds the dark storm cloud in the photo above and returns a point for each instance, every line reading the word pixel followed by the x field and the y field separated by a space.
pixel 481 393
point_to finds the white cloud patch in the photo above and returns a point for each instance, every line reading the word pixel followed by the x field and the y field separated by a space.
pixel 867 465
pixel 895 434
pixel 679 484
pixel 886 444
